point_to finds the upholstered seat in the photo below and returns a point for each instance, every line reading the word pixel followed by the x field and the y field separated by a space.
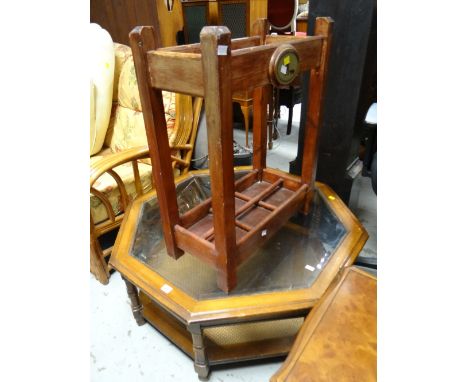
pixel 121 169
pixel 126 130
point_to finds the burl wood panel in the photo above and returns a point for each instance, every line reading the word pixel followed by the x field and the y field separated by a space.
pixel 338 341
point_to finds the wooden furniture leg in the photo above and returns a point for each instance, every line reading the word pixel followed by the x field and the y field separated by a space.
pixel 217 80
pixel 290 110
pixel 98 264
pixel 271 116
pixel 135 302
pixel 260 129
pixel 324 27
pixel 245 112
pixel 143 39
pixel 201 365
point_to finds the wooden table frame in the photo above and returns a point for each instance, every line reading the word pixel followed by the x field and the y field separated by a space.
pixel 176 313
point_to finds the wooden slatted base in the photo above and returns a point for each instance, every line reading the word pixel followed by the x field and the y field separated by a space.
pixel 250 213
pixel 264 202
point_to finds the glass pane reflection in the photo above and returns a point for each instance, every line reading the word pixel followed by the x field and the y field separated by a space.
pixel 291 260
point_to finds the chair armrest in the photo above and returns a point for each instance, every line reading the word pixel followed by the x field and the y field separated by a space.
pixel 110 161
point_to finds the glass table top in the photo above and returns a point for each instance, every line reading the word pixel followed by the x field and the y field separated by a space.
pixel 293 259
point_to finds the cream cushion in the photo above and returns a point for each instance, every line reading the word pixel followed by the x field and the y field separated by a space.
pixel 122 53
pixel 107 185
pixel 127 128
pixel 102 79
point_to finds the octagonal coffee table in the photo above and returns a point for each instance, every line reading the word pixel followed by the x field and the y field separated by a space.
pixel 276 288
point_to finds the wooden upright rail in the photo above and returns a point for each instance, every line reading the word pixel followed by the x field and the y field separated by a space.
pixel 240 216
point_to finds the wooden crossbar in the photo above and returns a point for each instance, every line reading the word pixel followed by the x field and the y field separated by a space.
pixel 180 70
pixel 193 215
pixel 251 203
pixel 262 195
pixel 261 203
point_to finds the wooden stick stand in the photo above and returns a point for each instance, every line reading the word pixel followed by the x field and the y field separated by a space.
pixel 240 216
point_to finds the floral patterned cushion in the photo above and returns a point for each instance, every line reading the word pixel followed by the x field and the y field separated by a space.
pixel 122 53
pixel 107 185
pixel 126 128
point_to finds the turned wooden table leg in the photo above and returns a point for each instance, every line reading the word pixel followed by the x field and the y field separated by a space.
pixel 135 302
pixel 201 360
pixel 245 111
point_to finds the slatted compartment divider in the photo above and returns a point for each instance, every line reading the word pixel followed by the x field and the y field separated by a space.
pixel 227 228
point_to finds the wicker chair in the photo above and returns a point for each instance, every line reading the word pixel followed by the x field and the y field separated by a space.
pixel 125 168
pixel 121 171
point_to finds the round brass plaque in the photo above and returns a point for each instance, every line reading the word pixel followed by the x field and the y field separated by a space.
pixel 284 65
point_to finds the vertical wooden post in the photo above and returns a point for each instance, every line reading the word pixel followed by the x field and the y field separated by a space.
pixel 142 40
pixel 199 351
pixel 323 27
pixel 216 62
pixel 260 28
pixel 260 102
pixel 97 262
pixel 135 302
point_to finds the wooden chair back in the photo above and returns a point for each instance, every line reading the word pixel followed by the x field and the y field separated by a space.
pixel 282 14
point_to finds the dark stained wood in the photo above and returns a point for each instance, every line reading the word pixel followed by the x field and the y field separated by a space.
pixel 292 182
pixel 260 29
pixel 251 203
pixel 338 341
pixel 218 106
pixel 143 39
pixel 301 24
pixel 261 203
pixel 260 97
pixel 323 27
pixel 192 216
pixel 175 75
pixel 247 180
pixel 119 17
pixel 249 67
pixel 225 230
pixel 238 43
pixel 265 229
pixel 203 249
pixel 257 198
